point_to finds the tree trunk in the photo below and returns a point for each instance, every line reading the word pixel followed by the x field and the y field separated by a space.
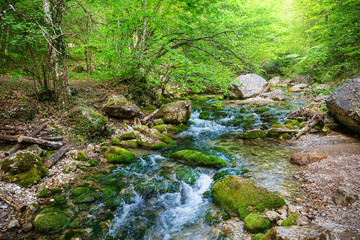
pixel 39 141
pixel 56 50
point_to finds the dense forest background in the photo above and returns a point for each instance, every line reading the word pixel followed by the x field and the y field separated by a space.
pixel 199 44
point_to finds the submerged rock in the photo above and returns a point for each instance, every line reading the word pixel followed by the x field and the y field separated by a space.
pixel 241 197
pixel 118 106
pixel 198 159
pixel 249 85
pixel 175 112
pixel 296 232
pixel 24 167
pixel 344 104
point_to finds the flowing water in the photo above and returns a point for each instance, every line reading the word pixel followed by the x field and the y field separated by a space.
pixel 157 205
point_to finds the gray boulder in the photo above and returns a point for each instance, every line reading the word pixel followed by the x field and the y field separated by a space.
pixel 298 87
pixel 274 95
pixel 296 232
pixel 274 81
pixel 249 85
pixel 118 106
pixel 344 104
pixel 175 112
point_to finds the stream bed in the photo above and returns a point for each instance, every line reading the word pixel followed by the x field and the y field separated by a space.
pixel 157 203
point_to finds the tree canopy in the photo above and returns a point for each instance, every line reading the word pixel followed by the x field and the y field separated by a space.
pixel 200 44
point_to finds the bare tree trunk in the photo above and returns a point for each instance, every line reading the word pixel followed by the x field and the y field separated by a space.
pixel 6 48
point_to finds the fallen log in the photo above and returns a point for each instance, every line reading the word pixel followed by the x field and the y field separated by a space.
pixel 8 138
pixel 312 122
pixel 18 145
pixel 49 162
pixel 52 138
pixel 11 201
pixel 39 141
pixel 150 115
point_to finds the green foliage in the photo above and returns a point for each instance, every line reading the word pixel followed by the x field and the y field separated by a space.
pixel 256 223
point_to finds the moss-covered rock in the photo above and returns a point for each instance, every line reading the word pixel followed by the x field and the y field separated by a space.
pixel 160 128
pixel 78 155
pixel 205 115
pixel 255 223
pixel 86 121
pixel 127 136
pixel 240 197
pixel 53 220
pixel 129 144
pixel 115 141
pixel 158 146
pixel 118 106
pixel 43 193
pixel 93 162
pixel 290 220
pixel 109 192
pixel 113 202
pixel 187 175
pixel 192 157
pixel 254 134
pixel 181 127
pixel 258 236
pixel 175 112
pixel 24 167
pixel 118 155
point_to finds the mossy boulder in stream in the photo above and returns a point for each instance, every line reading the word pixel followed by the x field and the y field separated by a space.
pixel 118 106
pixel 52 220
pixel 118 155
pixel 192 157
pixel 254 134
pixel 255 223
pixel 204 115
pixel 24 167
pixel 241 197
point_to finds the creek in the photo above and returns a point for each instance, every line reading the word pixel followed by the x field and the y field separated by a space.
pixel 157 204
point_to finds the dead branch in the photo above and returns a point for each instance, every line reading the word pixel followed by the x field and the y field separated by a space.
pixel 39 141
pixel 11 201
pixel 49 162
pixel 312 122
pixel 150 115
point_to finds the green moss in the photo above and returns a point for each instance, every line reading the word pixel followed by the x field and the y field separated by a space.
pixel 303 124
pixel 29 178
pixel 290 220
pixel 160 128
pixel 158 146
pixel 255 223
pixel 108 192
pixel 118 155
pixel 115 141
pixel 204 115
pixel 129 144
pixel 74 224
pixel 98 178
pixel 261 110
pixel 128 136
pixel 52 220
pixel 43 193
pixel 60 198
pixel 212 219
pixel 286 136
pixel 113 202
pixel 258 236
pixel 87 197
pixel 79 191
pixel 201 99
pixel 187 175
pixel 104 148
pixel 273 133
pixel 155 187
pixel 78 155
pixel 159 121
pixel 181 127
pixel 55 191
pixel 255 134
pixel 93 162
pixel 199 159
pixel 236 194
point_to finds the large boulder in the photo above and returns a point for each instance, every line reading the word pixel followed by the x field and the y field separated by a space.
pixel 274 81
pixel 24 167
pixel 192 157
pixel 344 104
pixel 249 85
pixel 240 197
pixel 87 121
pixel 118 106
pixel 175 112
pixel 296 232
